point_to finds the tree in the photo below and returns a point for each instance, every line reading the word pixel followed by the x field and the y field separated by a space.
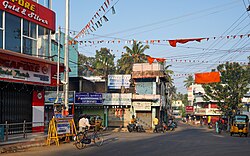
pixel 189 81
pixel 132 55
pixel 85 65
pixel 231 89
pixel 104 63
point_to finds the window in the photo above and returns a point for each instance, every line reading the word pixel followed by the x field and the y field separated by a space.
pixel 43 42
pixel 29 38
pixel 12 33
pixel 1 29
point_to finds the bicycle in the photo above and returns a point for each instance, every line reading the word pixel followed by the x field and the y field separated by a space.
pixel 82 139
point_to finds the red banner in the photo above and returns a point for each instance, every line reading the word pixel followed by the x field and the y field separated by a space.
pixel 30 11
pixel 209 77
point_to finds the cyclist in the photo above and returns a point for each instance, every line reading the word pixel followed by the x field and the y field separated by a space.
pixel 84 123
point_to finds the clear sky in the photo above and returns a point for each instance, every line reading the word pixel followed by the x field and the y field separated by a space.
pixel 166 20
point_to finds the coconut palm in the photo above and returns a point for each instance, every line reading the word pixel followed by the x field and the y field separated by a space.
pixel 189 81
pixel 135 54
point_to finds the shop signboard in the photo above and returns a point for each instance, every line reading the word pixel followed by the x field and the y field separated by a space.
pixel 117 99
pixel 88 98
pixel 31 11
pixel 117 81
pixel 189 108
pixel 50 97
pixel 142 106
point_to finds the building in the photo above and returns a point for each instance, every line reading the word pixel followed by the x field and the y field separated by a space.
pixel 25 61
pixel 177 107
pixel 149 99
pixel 204 109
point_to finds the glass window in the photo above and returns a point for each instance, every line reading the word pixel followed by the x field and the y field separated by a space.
pixel 29 46
pixel 12 33
pixel 29 29
pixel 43 42
pixel 1 19
pixel 1 29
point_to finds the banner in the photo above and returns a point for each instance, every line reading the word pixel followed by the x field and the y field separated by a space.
pixel 209 77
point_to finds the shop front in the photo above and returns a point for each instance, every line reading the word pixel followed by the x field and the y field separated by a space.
pixel 90 104
pixel 117 109
pixel 23 79
pixel 25 27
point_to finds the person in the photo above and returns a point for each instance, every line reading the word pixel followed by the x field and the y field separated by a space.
pixel 84 123
pixel 156 123
pixel 133 120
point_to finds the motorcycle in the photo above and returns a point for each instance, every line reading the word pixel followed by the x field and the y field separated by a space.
pixel 161 128
pixel 172 126
pixel 135 127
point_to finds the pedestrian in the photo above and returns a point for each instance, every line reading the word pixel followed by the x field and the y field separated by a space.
pixel 156 124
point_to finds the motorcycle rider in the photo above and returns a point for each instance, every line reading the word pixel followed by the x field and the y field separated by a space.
pixel 133 121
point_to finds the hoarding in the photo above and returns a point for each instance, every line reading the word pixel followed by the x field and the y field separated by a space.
pixel 117 99
pixel 117 81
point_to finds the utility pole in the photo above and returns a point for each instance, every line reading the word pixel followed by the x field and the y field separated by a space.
pixel 66 57
pixel 58 63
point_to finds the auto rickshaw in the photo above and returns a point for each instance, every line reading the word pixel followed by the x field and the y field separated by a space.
pixel 239 125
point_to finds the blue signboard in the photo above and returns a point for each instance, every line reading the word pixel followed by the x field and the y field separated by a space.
pixel 88 98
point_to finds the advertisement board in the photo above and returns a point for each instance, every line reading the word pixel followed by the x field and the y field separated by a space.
pixel 63 128
pixel 117 81
pixel 31 11
pixel 117 99
pixel 142 106
pixel 189 108
pixel 88 98
pixel 50 97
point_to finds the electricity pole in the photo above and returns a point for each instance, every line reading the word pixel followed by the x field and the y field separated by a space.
pixel 66 57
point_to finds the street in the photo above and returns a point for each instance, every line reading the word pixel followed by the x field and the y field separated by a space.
pixel 186 140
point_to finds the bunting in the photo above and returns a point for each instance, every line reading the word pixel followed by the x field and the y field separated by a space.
pixel 151 59
pixel 97 20
pixel 172 43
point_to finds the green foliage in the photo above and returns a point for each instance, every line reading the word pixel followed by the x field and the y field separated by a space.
pixel 231 89
pixel 189 81
pixel 104 63
pixel 85 65
pixel 135 54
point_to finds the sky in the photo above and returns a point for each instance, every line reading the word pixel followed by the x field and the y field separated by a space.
pixel 223 26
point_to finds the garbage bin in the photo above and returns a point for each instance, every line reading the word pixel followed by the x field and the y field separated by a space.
pixel 1 133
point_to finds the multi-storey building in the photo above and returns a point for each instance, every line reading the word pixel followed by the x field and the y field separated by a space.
pixel 202 108
pixel 149 99
pixel 25 63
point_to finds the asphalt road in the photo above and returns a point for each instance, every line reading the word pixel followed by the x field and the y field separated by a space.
pixel 185 141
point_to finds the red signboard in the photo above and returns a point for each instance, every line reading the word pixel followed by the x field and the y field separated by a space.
pixel 17 67
pixel 30 11
pixel 189 108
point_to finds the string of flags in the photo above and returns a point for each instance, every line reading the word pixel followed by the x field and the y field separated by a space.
pixel 97 20
pixel 172 43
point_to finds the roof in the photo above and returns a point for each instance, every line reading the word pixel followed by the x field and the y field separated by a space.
pixel 94 78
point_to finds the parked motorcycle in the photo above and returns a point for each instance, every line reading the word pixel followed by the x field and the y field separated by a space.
pixel 135 127
pixel 161 128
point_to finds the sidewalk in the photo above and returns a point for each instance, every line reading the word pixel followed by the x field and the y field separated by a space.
pixel 17 143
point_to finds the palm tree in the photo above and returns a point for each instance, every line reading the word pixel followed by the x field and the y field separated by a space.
pixel 189 81
pixel 132 55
